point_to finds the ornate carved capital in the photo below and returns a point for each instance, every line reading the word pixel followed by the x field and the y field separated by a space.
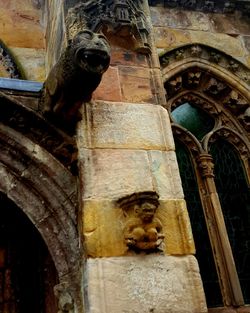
pixel 206 165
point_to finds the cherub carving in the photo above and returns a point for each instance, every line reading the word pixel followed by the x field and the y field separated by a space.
pixel 75 76
pixel 143 231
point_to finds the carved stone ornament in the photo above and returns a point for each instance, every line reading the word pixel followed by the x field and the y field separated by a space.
pixel 65 300
pixel 8 64
pixel 142 231
pixel 74 77
pixel 123 17
pixel 206 166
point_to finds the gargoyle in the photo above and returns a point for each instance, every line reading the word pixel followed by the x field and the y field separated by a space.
pixel 74 77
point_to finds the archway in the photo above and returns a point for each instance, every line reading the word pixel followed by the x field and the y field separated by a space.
pixel 43 188
pixel 27 272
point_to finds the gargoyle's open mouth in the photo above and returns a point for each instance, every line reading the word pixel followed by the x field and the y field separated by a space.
pixel 96 61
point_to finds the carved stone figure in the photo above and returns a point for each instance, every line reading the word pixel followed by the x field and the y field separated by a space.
pixel 143 231
pixel 75 76
pixel 65 301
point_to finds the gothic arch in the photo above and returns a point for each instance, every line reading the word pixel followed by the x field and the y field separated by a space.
pixel 45 191
pixel 205 78
pixel 221 83
pixel 38 180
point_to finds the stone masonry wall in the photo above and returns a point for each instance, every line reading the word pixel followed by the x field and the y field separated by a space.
pixel 229 33
pixel 125 145
pixel 22 31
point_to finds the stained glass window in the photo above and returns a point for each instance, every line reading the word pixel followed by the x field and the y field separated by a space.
pixel 193 119
pixel 203 248
pixel 234 197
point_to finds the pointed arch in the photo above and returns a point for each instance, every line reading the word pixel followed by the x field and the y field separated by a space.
pixel 45 191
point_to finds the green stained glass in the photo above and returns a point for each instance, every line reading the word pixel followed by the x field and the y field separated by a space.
pixel 234 197
pixel 203 248
pixel 193 119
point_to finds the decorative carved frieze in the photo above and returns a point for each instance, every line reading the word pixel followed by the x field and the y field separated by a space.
pixel 142 231
pixel 203 52
pixel 236 102
pixel 7 62
pixel 233 137
pixel 215 87
pixel 193 79
pixel 123 17
pixel 215 6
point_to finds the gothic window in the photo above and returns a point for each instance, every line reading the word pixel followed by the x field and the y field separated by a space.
pixel 210 122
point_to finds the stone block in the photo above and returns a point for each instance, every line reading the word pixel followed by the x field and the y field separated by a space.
pixel 166 38
pixel 165 173
pixel 143 284
pixel 121 56
pixel 114 173
pixel 125 125
pixel 103 224
pixel 136 84
pixel 110 87
pixel 172 18
pixel 32 62
pixel 20 26
pixel 228 44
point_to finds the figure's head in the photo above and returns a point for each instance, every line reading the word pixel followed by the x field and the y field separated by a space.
pixel 91 51
pixel 146 211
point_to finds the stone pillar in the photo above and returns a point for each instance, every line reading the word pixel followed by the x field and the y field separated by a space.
pixel 218 235
pixel 126 146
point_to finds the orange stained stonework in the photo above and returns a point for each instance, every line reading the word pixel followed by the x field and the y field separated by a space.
pixel 20 24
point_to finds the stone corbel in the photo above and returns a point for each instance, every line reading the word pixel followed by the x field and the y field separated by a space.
pixel 142 230
pixel 206 165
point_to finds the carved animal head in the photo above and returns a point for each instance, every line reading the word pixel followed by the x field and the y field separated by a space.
pixel 91 51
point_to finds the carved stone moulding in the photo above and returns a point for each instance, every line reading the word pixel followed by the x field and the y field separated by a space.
pixel 203 52
pixel 231 136
pixel 122 17
pixel 188 139
pixel 206 6
pixel 195 78
pixel 8 66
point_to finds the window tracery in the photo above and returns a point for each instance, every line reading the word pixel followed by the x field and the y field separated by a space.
pixel 208 87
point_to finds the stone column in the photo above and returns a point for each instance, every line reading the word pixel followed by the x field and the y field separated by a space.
pixel 218 234
pixel 126 146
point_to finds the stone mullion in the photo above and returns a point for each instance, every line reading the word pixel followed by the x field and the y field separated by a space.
pixel 160 92
pixel 230 285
